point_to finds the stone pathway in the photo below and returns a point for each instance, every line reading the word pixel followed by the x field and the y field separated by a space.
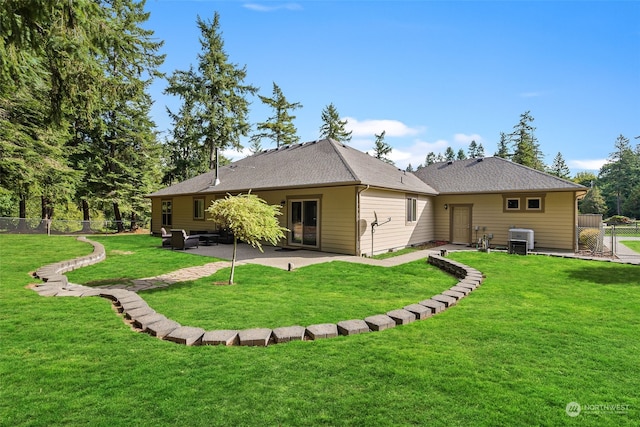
pixel 143 318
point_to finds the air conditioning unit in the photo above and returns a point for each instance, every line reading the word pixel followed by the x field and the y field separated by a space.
pixel 522 235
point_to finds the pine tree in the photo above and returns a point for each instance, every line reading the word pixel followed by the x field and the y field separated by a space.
pixel 526 148
pixel 480 151
pixel 279 128
pixel 122 143
pixel 218 92
pixel 410 168
pixel 461 155
pixel 620 175
pixel 449 154
pixel 382 149
pixel 430 159
pixel 473 150
pixel 593 202
pixel 332 127
pixel 559 167
pixel 503 148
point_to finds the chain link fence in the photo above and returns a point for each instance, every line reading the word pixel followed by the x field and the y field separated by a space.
pixel 597 239
pixel 59 226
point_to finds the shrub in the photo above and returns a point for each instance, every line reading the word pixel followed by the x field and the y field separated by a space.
pixel 589 237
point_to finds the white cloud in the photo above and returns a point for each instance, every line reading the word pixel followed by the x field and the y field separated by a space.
pixel 264 8
pixel 235 155
pixel 369 128
pixel 530 94
pixel 593 165
pixel 463 139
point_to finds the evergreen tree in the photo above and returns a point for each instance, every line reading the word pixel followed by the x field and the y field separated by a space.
pixel 593 202
pixel 480 151
pixel 503 147
pixel 217 91
pixel 430 159
pixel 587 179
pixel 526 148
pixel 382 149
pixel 449 154
pixel 255 146
pixel 473 150
pixel 279 128
pixel 620 175
pixel 631 207
pixel 461 155
pixel 559 167
pixel 410 168
pixel 122 143
pixel 332 127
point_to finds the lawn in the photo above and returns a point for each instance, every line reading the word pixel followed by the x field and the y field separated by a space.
pixel 541 332
pixel 634 245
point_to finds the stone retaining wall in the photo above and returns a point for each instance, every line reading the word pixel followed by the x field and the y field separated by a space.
pixel 143 318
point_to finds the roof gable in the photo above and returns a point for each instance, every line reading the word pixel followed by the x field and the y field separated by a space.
pixel 317 163
pixel 490 175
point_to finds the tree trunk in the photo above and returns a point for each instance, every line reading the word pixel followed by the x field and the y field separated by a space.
pixel 134 223
pixel 118 217
pixel 46 212
pixel 233 259
pixel 86 218
pixel 22 223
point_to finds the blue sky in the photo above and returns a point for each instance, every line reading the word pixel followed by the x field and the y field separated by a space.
pixel 431 73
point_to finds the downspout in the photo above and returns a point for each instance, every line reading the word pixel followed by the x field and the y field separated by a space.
pixel 362 190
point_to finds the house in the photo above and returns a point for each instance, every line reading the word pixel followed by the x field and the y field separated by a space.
pixel 330 196
pixel 489 196
pixel 335 198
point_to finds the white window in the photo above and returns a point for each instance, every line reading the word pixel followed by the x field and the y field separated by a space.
pixel 412 209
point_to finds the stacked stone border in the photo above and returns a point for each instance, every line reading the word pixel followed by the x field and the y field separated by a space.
pixel 143 318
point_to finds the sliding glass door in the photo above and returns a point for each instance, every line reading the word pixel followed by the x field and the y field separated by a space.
pixel 304 222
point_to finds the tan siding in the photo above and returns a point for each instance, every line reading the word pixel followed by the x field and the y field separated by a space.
pixel 397 233
pixel 553 228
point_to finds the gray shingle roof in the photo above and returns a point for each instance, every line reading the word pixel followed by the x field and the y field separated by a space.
pixel 490 175
pixel 317 163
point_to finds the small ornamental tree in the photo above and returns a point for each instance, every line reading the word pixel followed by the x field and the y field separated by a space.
pixel 250 219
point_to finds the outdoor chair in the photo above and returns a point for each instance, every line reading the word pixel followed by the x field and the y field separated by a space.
pixel 181 240
pixel 166 237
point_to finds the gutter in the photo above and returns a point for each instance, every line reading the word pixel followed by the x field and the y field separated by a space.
pixel 362 190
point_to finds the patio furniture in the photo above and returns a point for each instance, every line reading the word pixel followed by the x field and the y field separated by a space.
pixel 226 236
pixel 181 240
pixel 166 237
pixel 209 239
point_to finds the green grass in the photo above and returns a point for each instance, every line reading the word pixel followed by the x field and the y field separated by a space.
pixel 634 245
pixel 541 332
pixel 394 254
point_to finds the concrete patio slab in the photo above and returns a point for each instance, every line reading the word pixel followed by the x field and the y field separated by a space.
pixel 220 337
pixel 352 327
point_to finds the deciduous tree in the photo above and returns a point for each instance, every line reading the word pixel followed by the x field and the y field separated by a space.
pixel 250 219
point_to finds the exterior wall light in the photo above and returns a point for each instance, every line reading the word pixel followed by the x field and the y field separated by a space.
pixel 446 206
